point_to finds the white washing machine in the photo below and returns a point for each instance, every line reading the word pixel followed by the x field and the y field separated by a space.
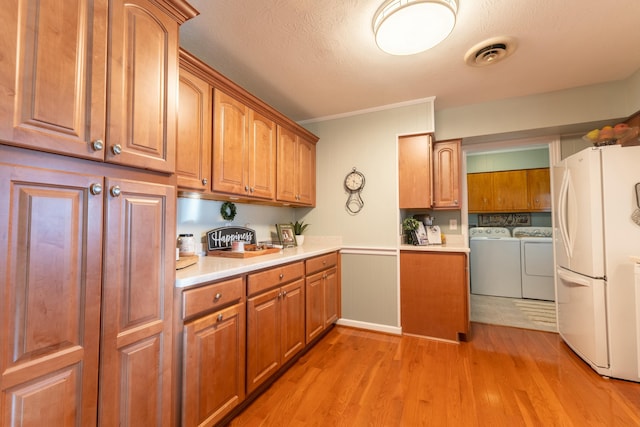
pixel 494 262
pixel 536 252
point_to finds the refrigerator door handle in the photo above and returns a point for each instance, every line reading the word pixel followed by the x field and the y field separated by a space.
pixel 563 214
pixel 573 278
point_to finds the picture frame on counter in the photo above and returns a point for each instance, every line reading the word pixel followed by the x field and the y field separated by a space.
pixel 420 236
pixel 286 235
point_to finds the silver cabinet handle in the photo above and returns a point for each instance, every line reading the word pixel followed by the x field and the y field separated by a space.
pixel 217 297
pixel 284 294
pixel 220 317
pixel 281 276
pixel 116 149
pixel 97 145
pixel 246 188
pixel 95 189
pixel 115 191
pixel 204 181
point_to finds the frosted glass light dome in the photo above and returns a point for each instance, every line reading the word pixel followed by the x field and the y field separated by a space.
pixel 407 27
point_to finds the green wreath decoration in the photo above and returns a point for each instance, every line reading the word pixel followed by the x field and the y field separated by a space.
pixel 228 211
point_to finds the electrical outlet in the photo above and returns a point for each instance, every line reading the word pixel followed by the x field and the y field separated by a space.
pixel 453 224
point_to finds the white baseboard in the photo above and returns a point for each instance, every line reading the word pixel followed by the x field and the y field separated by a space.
pixel 395 330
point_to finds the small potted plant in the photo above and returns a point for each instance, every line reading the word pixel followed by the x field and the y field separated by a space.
pixel 298 229
pixel 409 225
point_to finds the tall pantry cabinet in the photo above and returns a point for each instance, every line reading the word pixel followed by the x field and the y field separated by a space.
pixel 87 212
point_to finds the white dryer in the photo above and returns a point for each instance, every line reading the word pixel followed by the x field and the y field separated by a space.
pixel 536 252
pixel 494 262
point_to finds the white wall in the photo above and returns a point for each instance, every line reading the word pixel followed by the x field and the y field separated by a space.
pixel 368 143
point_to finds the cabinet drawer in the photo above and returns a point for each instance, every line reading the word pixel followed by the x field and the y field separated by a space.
pixel 276 276
pixel 321 262
pixel 211 296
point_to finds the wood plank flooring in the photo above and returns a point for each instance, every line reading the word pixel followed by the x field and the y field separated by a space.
pixel 503 376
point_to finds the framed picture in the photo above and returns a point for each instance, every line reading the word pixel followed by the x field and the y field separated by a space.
pixel 286 235
pixel 421 234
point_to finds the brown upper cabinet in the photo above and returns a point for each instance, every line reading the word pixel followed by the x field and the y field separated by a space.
pixel 525 190
pixel 539 189
pixel 414 171
pixel 296 169
pixel 428 177
pixel 446 174
pixel 193 151
pixel 244 149
pixel 58 96
pixel 231 145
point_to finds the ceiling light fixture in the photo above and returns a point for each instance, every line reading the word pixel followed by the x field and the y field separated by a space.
pixel 407 27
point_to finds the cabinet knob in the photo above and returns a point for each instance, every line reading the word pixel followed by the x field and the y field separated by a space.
pixel 115 191
pixel 455 202
pixel 220 317
pixel 252 189
pixel 97 145
pixel 284 294
pixel 95 189
pixel 279 294
pixel 204 181
pixel 116 149
pixel 217 297
pixel 281 276
pixel 246 188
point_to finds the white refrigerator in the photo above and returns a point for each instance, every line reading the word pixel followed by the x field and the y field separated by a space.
pixel 595 239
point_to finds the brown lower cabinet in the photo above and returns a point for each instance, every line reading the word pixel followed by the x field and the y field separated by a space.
pixel 214 352
pixel 323 296
pixel 235 335
pixel 434 294
pixel 87 276
pixel 275 321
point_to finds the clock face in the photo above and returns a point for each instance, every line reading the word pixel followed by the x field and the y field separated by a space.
pixel 354 181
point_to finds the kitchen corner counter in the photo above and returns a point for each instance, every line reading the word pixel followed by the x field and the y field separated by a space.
pixel 211 268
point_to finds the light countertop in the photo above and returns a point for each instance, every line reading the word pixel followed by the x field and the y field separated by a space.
pixel 211 268
pixel 454 243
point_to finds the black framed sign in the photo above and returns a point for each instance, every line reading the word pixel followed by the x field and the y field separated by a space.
pixel 221 238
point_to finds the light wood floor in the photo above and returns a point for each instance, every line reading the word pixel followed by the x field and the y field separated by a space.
pixel 503 376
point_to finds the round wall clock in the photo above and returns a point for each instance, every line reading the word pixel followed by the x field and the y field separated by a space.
pixel 354 183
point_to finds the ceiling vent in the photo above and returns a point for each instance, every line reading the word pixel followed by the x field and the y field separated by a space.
pixel 490 51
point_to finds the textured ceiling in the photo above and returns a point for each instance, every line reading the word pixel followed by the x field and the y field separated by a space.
pixel 318 58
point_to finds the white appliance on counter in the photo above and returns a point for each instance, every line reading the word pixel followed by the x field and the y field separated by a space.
pixel 598 305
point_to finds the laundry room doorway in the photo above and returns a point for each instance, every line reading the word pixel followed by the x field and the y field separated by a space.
pixel 500 178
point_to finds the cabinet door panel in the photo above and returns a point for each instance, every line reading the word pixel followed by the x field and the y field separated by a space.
pixel 332 298
pixel 446 172
pixel 263 338
pixel 262 157
pixel 539 187
pixel 193 151
pixel 286 189
pixel 50 308
pixel 230 156
pixel 143 86
pixel 214 366
pixel 480 192
pixel 414 171
pixel 306 172
pixel 510 191
pixel 53 97
pixel 136 316
pixel 315 306
pixel 292 311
